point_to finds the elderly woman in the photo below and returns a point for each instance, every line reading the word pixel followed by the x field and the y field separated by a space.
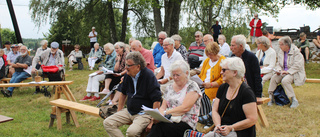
pixel 212 79
pixel 179 47
pixel 94 55
pixel 119 68
pixel 182 102
pixel 44 47
pixel 225 48
pixel 235 107
pixel 267 58
pixel 289 69
pixel 74 56
pixel 93 82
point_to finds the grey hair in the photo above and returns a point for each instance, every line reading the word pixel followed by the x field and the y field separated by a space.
pixel 43 42
pixel 240 40
pixel 222 37
pixel 137 58
pixel 209 36
pixel 169 40
pixel 1 50
pixel 96 44
pixel 163 32
pixel 286 40
pixel 198 33
pixel 176 37
pixel 132 39
pixel 109 46
pixel 121 45
pixel 235 63
pixel 264 41
pixel 180 64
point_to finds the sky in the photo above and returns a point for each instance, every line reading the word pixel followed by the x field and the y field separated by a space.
pixel 291 16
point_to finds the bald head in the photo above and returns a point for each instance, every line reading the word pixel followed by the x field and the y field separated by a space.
pixel 136 45
pixel 207 38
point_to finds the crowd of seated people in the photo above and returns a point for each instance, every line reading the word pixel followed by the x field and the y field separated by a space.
pixel 239 78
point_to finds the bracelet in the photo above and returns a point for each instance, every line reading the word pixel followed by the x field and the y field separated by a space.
pixel 211 84
pixel 232 129
pixel 120 74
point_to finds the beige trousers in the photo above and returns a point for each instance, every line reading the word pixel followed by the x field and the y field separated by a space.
pixel 285 80
pixel 266 77
pixel 71 60
pixel 139 123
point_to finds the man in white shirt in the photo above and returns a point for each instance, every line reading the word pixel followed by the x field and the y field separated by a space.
pixel 167 59
pixel 93 37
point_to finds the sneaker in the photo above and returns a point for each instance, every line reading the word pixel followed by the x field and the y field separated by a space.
pixel 270 103
pixel 294 104
pixel 307 61
pixel 94 98
pixel 6 93
pixel 105 91
pixel 85 98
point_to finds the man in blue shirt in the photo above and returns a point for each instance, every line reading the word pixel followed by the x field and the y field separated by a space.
pixel 142 88
pixel 216 31
pixel 158 49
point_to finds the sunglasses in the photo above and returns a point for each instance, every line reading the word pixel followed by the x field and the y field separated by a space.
pixel 161 38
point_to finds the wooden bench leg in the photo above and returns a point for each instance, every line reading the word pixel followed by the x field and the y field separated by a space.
pixel 74 118
pixel 58 115
pixel 68 117
pixel 52 116
pixel 262 117
pixel 258 127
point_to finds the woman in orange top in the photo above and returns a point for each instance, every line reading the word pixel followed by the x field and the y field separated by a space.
pixel 210 72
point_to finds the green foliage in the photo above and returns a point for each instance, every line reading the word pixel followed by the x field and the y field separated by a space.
pixel 187 35
pixel 8 35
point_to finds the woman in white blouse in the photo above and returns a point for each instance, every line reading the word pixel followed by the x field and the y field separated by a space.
pixel 267 58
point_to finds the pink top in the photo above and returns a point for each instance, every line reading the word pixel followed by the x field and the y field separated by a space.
pixel 147 54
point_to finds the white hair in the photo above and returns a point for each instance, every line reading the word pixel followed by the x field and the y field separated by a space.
pixel 121 45
pixel 235 63
pixel 286 40
pixel 176 37
pixel 240 40
pixel 43 42
pixel 163 32
pixel 222 37
pixel 109 46
pixel 169 40
pixel 180 64
pixel 264 41
pixel 132 39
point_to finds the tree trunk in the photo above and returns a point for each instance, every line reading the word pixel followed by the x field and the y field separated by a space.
pixel 174 25
pixel 168 6
pixel 157 16
pixel 113 32
pixel 124 21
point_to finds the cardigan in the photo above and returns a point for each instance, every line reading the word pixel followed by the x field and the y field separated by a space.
pixel 269 61
pixel 216 76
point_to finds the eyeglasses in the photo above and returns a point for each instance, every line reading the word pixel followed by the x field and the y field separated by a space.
pixel 166 45
pixel 197 36
pixel 224 70
pixel 161 38
pixel 128 66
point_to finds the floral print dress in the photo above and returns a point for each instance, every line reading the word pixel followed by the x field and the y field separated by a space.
pixel 175 99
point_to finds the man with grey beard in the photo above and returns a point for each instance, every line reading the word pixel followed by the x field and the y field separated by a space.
pixel 52 57
pixel 20 65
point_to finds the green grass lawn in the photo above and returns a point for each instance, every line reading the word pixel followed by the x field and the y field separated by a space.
pixel 31 112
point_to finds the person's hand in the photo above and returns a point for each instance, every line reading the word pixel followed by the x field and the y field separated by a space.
pixel 99 72
pixel 194 72
pixel 206 85
pixel 117 74
pixel 300 49
pixel 118 57
pixel 163 81
pixel 303 40
pixel 33 70
pixel 217 129
pixel 148 128
pixel 225 130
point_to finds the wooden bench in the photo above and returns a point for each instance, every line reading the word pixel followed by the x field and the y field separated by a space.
pixel 62 106
pixel 5 119
pixel 7 80
pixel 311 80
pixel 261 114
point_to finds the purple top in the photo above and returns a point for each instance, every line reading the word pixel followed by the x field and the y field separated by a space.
pixel 285 66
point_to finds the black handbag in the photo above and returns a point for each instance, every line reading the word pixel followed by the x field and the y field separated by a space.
pixel 280 96
pixel 107 110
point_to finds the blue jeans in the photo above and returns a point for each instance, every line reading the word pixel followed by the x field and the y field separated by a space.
pixel 18 77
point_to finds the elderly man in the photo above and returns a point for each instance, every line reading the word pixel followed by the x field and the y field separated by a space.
pixel 142 88
pixel 147 54
pixel 196 51
pixel 11 57
pixel 20 65
pixel 93 37
pixel 52 57
pixel 7 48
pixel 252 75
pixel 167 59
pixel 158 49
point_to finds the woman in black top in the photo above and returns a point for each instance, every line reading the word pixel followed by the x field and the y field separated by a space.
pixel 241 114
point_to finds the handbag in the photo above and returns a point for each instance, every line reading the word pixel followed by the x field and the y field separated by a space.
pixel 50 69
pixel 280 96
pixel 214 134
pixel 107 110
pixel 192 133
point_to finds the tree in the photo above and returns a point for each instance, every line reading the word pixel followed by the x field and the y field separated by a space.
pixel 8 35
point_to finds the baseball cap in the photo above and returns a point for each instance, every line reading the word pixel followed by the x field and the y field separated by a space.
pixel 14 45
pixel 54 45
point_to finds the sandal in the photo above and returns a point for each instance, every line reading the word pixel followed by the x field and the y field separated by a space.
pixel 105 91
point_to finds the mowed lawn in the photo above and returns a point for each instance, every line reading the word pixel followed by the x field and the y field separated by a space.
pixel 31 112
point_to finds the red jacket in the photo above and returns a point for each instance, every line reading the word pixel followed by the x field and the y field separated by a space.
pixel 5 59
pixel 258 28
